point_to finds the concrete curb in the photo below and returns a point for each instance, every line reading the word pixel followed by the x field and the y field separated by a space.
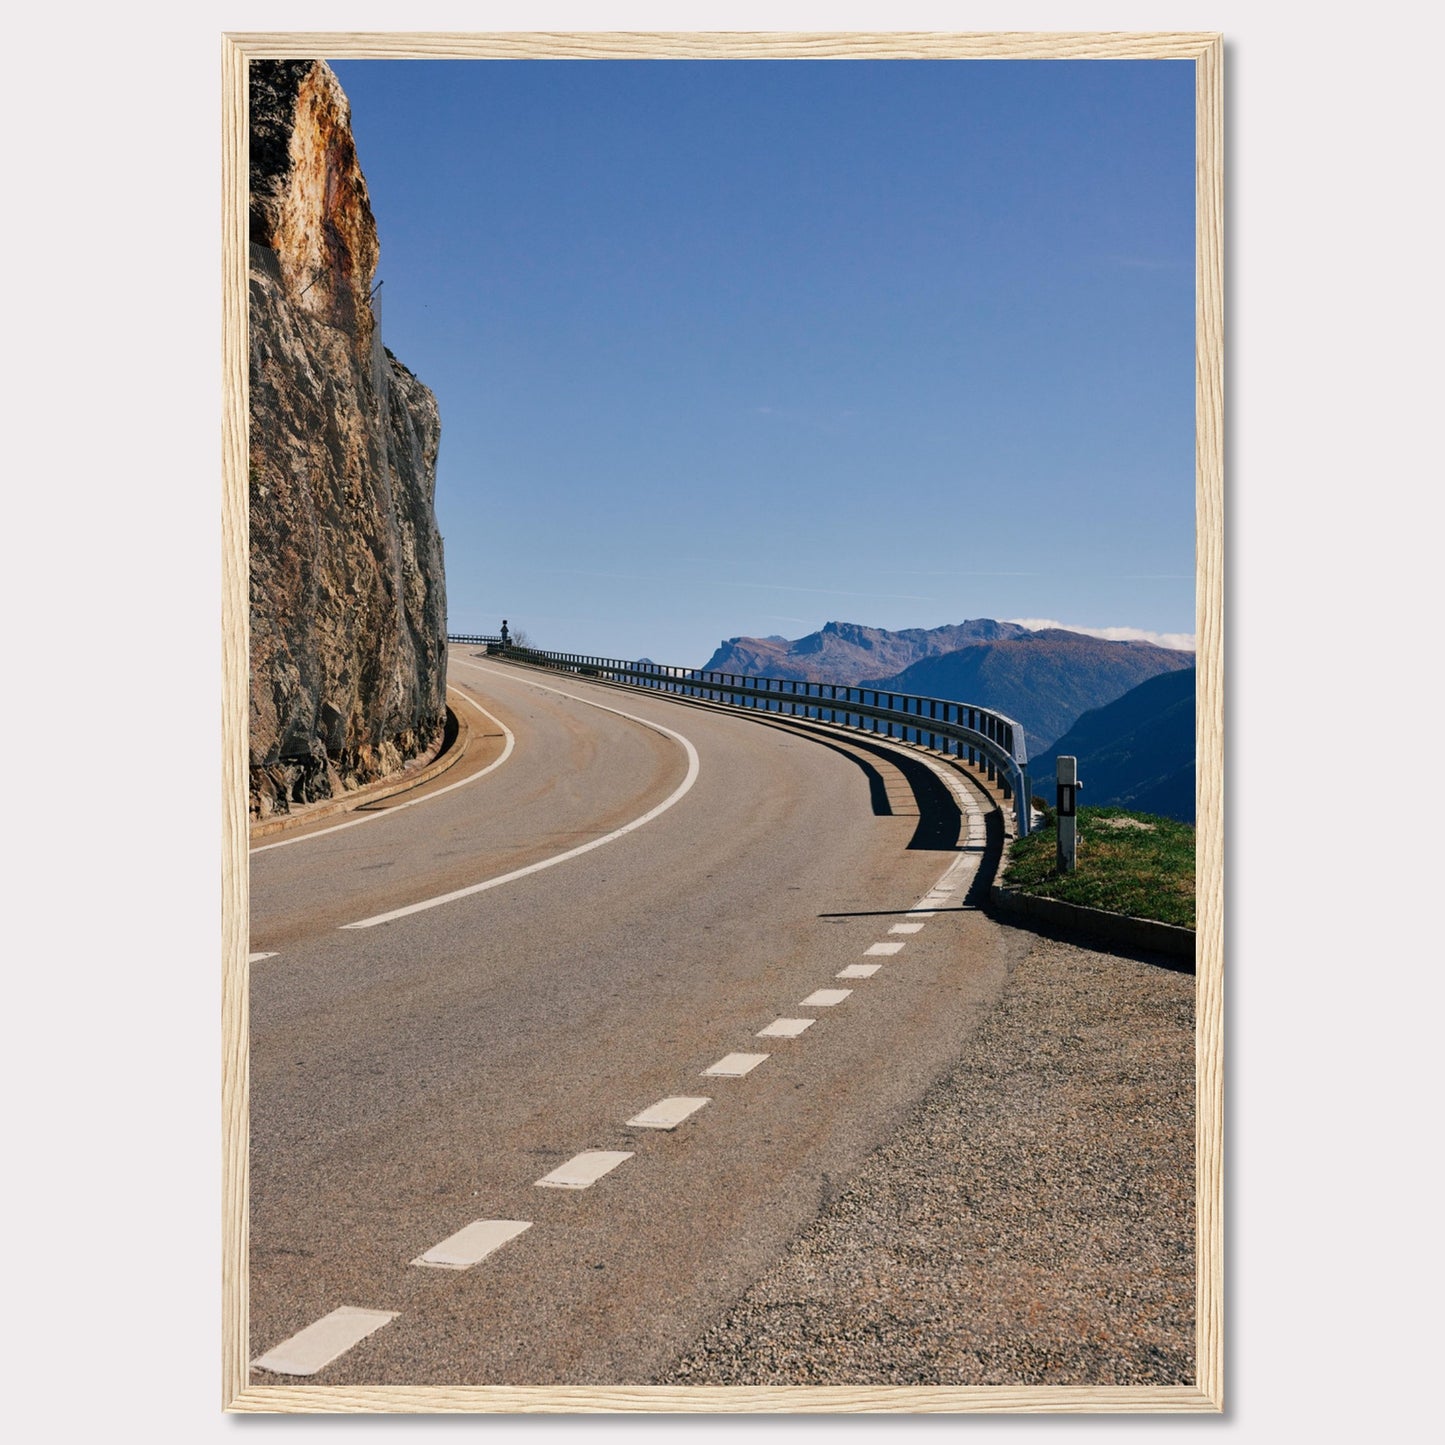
pixel 373 792
pixel 1116 928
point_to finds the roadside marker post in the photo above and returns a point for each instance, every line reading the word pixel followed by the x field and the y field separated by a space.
pixel 1068 790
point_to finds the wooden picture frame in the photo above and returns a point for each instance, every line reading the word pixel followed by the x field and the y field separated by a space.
pixel 1205 50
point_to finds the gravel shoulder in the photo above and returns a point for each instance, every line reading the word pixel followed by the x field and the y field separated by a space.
pixel 1031 1223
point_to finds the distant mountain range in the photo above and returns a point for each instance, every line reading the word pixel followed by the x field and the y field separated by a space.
pixel 846 653
pixel 1045 680
pixel 1136 752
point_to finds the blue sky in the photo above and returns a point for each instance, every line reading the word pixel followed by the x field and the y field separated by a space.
pixel 739 347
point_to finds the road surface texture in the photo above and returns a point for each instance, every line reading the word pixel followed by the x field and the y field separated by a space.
pixel 414 1078
pixel 1032 1223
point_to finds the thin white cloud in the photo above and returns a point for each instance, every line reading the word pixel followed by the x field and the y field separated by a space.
pixel 1180 641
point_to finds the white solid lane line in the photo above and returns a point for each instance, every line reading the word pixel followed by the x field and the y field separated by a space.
pixel 859 970
pixel 960 873
pixel 415 802
pixel 881 950
pixel 825 997
pixel 785 1028
pixel 667 1113
pixel 585 1169
pixel 473 1244
pixel 734 1066
pixel 317 1345
pixel 677 795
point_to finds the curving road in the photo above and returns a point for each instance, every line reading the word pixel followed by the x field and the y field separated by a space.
pixel 425 1071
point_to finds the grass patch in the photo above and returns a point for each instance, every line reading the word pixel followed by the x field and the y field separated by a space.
pixel 1134 863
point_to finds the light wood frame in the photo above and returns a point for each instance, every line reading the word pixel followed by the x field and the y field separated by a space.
pixel 1206 50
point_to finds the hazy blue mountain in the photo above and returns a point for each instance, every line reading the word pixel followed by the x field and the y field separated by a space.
pixel 1136 752
pixel 1044 680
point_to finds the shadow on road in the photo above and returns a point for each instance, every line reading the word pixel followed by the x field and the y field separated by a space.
pixel 940 823
pixel 449 741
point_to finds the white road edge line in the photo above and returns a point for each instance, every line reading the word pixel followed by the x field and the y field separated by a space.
pixel 257 957
pixel 677 795
pixel 315 1347
pixel 415 802
pixel 959 873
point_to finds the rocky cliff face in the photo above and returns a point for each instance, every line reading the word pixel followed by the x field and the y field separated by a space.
pixel 348 596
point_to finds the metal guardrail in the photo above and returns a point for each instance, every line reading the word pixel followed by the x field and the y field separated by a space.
pixel 475 639
pixel 987 738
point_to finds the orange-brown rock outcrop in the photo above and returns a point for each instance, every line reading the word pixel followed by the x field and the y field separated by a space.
pixel 348 595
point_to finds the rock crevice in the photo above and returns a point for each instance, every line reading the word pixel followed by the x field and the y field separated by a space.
pixel 348 593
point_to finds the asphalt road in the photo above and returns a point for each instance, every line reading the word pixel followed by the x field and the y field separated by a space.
pixel 418 1074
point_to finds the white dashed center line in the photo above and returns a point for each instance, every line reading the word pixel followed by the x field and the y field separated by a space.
pixel 785 1028
pixel 585 1170
pixel 734 1066
pixel 473 1244
pixel 667 1113
pixel 317 1345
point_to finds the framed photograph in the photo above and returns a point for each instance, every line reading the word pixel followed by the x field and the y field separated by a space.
pixel 636 998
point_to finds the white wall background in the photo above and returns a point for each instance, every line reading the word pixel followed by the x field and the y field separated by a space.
pixel 110 760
